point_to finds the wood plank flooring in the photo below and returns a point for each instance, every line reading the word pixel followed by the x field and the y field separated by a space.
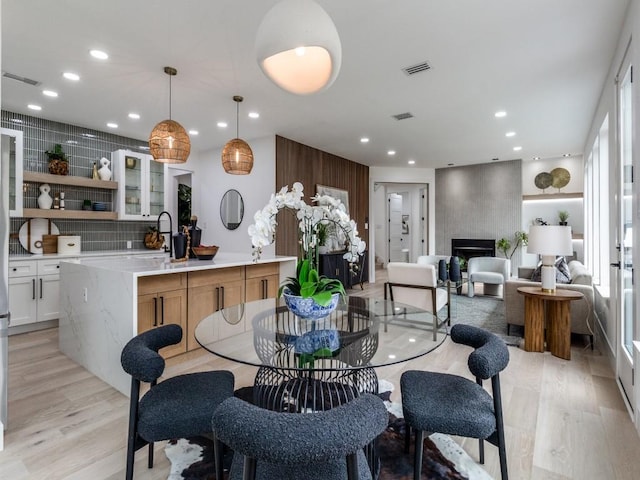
pixel 564 419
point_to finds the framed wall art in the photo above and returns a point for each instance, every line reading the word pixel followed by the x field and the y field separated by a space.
pixel 342 195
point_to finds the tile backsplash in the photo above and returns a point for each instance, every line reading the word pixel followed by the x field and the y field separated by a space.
pixel 83 147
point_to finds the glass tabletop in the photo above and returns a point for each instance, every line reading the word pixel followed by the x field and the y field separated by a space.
pixel 360 333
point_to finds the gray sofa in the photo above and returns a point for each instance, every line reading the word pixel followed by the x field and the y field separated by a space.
pixel 581 310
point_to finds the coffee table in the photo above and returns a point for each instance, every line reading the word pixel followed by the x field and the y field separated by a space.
pixel 555 307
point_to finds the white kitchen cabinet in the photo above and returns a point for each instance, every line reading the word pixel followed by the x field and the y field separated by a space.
pixel 141 191
pixel 34 291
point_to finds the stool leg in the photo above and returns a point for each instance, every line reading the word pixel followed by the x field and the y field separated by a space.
pixel 150 463
pixel 217 455
pixel 417 457
pixel 407 437
pixel 481 450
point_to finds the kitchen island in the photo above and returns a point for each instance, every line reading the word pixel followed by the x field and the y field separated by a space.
pixel 106 302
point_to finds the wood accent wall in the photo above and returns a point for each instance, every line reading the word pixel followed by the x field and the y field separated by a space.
pixel 296 162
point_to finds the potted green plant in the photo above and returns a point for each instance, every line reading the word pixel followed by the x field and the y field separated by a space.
pixel 310 295
pixel 322 234
pixel 509 247
pixel 58 161
pixel 563 215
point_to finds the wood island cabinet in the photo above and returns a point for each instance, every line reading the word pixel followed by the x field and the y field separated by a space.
pixel 162 300
pixel 262 281
pixel 210 291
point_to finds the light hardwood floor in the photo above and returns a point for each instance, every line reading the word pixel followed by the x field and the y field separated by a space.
pixel 564 419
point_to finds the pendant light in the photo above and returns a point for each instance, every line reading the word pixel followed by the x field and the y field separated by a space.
pixel 298 47
pixel 237 157
pixel 169 141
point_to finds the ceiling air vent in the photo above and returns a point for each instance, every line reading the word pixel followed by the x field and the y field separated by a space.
pixel 420 67
pixel 26 80
pixel 403 116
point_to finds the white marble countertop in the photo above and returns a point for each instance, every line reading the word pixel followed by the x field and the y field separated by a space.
pixel 95 253
pixel 160 263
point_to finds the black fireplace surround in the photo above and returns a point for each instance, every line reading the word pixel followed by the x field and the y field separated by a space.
pixel 471 247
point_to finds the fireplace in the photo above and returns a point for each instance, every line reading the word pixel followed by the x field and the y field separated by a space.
pixel 471 247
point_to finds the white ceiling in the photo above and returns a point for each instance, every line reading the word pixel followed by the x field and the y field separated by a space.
pixel 543 61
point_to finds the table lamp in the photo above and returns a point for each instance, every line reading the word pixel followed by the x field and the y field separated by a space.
pixel 549 241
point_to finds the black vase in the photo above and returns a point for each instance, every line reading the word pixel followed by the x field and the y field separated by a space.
pixel 179 245
pixel 454 269
pixel 442 271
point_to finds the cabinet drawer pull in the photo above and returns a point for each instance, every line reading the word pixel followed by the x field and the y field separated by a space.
pixel 155 312
pixel 33 289
pixel 222 297
pixel 40 288
pixel 161 310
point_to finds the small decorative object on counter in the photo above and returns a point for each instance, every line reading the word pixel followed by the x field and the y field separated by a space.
pixel 153 239
pixel 58 162
pixel 104 172
pixel 196 235
pixel 181 245
pixel 563 215
pixel 45 200
pixel 61 200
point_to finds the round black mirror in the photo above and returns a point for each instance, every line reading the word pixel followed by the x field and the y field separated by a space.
pixel 231 209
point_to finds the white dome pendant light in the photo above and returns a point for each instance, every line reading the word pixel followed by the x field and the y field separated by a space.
pixel 298 47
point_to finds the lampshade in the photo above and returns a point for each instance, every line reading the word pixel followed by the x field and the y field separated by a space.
pixel 549 241
pixel 298 47
pixel 169 141
pixel 237 157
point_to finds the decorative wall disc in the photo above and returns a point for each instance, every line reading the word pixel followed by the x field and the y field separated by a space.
pixel 543 180
pixel 561 177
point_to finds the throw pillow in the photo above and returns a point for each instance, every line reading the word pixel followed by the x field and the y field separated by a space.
pixel 562 272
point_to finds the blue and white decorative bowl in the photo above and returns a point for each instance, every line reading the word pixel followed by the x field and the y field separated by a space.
pixel 315 340
pixel 307 308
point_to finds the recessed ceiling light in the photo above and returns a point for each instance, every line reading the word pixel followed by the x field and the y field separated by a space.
pixel 50 93
pixel 193 132
pixel 510 134
pixel 34 107
pixel 566 155
pixel 501 114
pixel 254 115
pixel 112 125
pixel 222 124
pixel 71 76
pixel 364 140
pixel 517 149
pixel 391 153
pixel 135 116
pixel 536 158
pixel 99 54
pixel 411 162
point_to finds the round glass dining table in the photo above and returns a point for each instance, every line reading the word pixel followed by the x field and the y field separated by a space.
pixel 310 365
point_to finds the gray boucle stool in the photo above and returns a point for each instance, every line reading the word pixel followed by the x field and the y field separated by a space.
pixel 315 446
pixel 451 404
pixel 178 407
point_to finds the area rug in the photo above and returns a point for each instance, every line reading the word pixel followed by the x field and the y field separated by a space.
pixel 443 458
pixel 485 312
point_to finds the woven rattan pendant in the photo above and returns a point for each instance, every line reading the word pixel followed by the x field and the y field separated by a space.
pixel 237 157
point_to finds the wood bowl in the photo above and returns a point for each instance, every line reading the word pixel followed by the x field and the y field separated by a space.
pixel 204 252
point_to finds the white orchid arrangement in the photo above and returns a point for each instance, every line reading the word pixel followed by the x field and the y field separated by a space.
pixel 328 210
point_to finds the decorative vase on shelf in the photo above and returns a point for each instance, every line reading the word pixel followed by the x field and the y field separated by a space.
pixel 308 308
pixel 44 200
pixel 104 172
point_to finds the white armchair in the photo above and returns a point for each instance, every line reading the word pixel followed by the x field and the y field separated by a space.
pixel 493 272
pixel 417 285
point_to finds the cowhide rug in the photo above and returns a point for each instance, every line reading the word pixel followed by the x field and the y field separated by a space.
pixel 443 458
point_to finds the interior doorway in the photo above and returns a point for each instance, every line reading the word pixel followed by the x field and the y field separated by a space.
pixel 179 195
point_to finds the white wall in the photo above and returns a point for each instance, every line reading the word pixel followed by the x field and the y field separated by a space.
pixel 210 182
pixel 607 105
pixel 377 212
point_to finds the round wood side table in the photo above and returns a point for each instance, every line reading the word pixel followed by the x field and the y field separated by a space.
pixel 558 315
